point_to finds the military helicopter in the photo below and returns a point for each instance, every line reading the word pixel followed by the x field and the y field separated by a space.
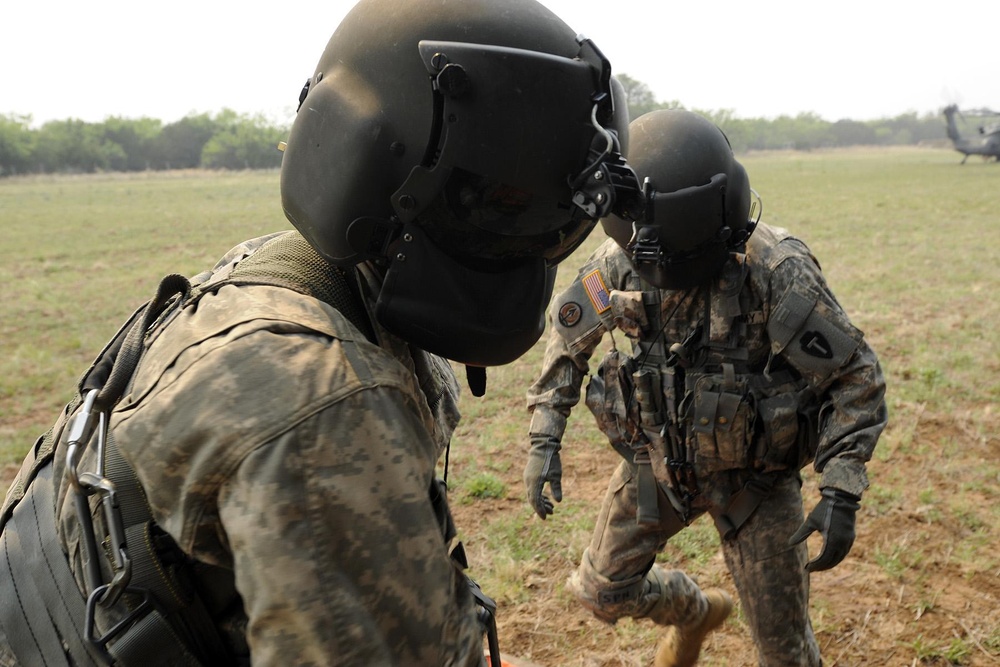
pixel 987 145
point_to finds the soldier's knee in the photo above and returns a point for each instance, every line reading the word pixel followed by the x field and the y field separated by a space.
pixel 606 599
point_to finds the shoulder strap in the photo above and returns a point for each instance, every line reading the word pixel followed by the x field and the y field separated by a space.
pixel 289 261
pixel 765 251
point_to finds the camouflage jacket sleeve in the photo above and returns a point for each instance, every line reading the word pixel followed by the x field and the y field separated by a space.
pixel 578 320
pixel 290 450
pixel 809 329
pixel 337 553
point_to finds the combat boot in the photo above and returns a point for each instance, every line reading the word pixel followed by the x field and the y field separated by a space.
pixel 681 646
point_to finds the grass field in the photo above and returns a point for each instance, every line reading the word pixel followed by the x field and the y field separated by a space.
pixel 909 241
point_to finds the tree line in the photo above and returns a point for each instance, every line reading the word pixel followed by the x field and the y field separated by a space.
pixel 226 140
pixel 229 140
pixel 805 131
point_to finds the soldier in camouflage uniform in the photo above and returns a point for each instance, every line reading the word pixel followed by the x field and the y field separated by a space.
pixel 248 471
pixel 743 368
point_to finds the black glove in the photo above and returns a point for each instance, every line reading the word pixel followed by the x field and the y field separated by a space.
pixel 833 517
pixel 543 466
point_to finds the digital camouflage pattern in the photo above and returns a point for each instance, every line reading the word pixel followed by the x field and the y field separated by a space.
pixel 769 317
pixel 291 458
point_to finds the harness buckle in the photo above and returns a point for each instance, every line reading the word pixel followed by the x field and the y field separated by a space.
pixel 96 598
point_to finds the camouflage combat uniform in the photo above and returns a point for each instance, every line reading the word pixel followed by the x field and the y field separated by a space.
pixel 736 385
pixel 291 459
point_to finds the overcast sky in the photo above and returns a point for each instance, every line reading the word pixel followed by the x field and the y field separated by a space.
pixel 858 59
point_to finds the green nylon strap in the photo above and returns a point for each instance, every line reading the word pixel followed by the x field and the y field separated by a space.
pixel 648 510
pixel 741 505
pixel 152 642
pixel 289 261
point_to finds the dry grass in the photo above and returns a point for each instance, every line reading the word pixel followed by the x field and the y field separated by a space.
pixel 909 241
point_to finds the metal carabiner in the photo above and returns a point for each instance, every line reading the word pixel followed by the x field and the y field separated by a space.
pixel 116 535
pixel 145 606
pixel 86 484
pixel 81 429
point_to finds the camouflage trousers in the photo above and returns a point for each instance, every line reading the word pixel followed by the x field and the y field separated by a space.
pixel 769 575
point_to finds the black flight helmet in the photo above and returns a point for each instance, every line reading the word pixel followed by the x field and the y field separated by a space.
pixel 466 147
pixel 697 200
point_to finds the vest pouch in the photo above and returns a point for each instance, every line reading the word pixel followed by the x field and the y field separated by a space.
pixel 649 396
pixel 649 389
pixel 720 416
pixel 610 399
pixel 777 439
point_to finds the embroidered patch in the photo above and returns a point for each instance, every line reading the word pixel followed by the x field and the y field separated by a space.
pixel 815 344
pixel 596 290
pixel 570 314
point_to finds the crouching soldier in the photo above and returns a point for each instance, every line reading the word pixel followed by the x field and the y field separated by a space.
pixel 742 369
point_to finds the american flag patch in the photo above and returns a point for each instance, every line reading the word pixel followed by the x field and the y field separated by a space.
pixel 596 290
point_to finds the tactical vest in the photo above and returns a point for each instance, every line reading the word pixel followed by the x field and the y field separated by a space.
pixel 144 601
pixel 707 403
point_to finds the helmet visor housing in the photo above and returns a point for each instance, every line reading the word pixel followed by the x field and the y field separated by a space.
pixel 411 96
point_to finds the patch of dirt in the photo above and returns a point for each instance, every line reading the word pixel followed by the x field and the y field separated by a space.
pixel 919 587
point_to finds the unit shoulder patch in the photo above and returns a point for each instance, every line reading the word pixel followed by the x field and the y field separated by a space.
pixel 569 314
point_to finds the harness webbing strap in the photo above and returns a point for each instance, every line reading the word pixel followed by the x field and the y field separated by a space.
pixel 647 506
pixel 152 641
pixel 127 358
pixel 741 505
pixel 147 571
pixel 34 571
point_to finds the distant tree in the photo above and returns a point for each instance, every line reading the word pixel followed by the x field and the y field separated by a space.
pixel 638 95
pixel 16 144
pixel 852 133
pixel 243 142
pixel 808 131
pixel 137 139
pixel 179 145
pixel 640 98
pixel 909 128
pixel 75 146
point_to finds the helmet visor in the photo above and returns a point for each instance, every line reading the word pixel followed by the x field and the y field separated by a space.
pixel 512 129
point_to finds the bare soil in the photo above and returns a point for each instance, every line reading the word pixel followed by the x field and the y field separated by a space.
pixel 910 592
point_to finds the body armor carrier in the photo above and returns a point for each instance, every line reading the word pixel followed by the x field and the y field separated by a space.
pixel 705 403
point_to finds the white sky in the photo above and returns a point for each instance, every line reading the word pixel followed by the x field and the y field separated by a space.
pixel 858 59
